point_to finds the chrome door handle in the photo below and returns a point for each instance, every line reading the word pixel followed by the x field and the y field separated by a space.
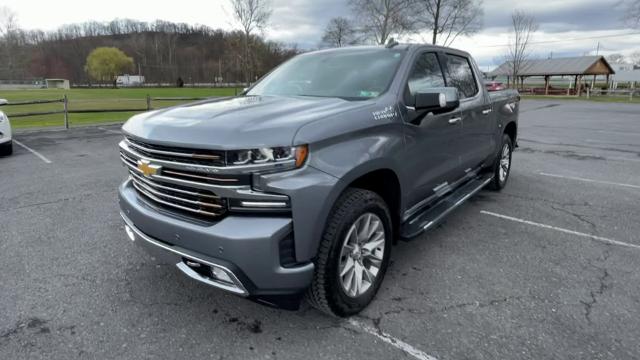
pixel 486 111
pixel 455 120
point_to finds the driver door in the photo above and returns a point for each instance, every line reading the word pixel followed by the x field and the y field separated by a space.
pixel 432 140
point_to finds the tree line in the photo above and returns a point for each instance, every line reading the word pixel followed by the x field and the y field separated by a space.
pixel 162 51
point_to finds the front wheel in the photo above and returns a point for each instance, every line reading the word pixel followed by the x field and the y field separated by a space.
pixel 354 254
pixel 6 149
pixel 502 164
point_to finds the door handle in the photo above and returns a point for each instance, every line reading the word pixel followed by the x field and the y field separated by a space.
pixel 487 111
pixel 455 120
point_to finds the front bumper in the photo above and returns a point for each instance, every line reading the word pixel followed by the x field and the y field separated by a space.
pixel 245 246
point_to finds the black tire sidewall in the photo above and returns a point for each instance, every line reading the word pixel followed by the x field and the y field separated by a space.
pixel 343 304
pixel 6 149
pixel 497 183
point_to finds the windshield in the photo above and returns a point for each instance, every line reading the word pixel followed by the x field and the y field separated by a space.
pixel 356 74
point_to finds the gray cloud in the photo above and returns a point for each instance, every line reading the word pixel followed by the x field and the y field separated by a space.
pixel 303 21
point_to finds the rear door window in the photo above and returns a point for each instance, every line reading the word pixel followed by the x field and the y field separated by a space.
pixel 460 75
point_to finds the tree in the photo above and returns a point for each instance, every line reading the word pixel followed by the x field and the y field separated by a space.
pixel 524 25
pixel 8 21
pixel 379 20
pixel 635 58
pixel 448 19
pixel 104 64
pixel 252 15
pixel 339 32
pixel 615 58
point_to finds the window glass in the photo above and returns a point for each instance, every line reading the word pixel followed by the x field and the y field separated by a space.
pixel 426 74
pixel 460 75
pixel 357 74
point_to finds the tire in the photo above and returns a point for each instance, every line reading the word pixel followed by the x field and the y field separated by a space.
pixel 6 149
pixel 328 291
pixel 503 159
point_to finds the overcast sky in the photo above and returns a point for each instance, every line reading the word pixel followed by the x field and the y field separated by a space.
pixel 567 27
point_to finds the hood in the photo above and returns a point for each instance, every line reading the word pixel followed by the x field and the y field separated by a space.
pixel 235 123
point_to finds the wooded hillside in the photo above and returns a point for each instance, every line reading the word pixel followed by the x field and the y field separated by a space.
pixel 162 51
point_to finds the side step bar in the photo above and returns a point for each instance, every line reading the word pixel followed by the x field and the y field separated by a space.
pixel 431 216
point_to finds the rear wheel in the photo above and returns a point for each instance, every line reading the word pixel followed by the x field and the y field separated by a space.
pixel 6 149
pixel 502 164
pixel 353 255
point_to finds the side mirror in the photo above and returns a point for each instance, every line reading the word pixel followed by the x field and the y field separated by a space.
pixel 437 100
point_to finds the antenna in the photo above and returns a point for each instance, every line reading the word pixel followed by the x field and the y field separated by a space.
pixel 391 43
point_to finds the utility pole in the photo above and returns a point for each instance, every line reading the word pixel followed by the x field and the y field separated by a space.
pixel 598 49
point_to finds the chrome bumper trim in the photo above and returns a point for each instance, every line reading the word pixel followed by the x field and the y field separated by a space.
pixel 237 288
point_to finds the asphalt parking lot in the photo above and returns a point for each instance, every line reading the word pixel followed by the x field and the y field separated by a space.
pixel 548 268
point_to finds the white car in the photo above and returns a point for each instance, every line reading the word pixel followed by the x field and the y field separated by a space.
pixel 6 144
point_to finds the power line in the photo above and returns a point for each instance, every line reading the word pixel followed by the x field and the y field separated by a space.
pixel 565 40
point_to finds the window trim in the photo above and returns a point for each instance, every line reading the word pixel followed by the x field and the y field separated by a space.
pixel 473 74
pixel 415 63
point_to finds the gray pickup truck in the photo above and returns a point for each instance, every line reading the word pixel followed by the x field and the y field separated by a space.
pixel 300 186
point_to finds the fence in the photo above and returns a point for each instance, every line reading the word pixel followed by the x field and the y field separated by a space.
pixel 630 93
pixel 66 110
pixel 589 92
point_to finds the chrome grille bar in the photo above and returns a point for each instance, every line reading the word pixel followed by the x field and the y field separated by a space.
pixel 167 203
pixel 193 155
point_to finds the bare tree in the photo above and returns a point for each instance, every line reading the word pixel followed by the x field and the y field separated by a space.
pixel 378 20
pixel 252 15
pixel 448 19
pixel 10 35
pixel 339 32
pixel 8 21
pixel 524 25
pixel 635 58
pixel 631 12
pixel 615 58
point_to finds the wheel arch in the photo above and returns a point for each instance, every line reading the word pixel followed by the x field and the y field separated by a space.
pixel 512 130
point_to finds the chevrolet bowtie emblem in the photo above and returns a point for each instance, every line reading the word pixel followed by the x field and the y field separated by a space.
pixel 147 168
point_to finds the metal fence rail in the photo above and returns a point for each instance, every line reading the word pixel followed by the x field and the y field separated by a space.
pixel 66 111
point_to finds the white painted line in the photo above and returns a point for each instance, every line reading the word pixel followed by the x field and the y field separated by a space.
pixel 566 231
pixel 110 131
pixel 590 180
pixel 33 151
pixel 399 344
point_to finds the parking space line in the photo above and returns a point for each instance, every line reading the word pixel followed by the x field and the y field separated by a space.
pixel 566 231
pixel 110 131
pixel 399 344
pixel 33 151
pixel 590 180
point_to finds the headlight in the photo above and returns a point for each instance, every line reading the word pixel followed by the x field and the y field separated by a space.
pixel 280 157
pixel 3 117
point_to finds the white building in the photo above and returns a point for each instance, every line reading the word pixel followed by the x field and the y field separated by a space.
pixel 130 80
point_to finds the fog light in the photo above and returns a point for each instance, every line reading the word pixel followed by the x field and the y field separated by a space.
pixel 130 233
pixel 221 275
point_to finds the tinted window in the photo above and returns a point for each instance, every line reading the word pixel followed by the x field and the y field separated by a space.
pixel 354 74
pixel 460 75
pixel 426 74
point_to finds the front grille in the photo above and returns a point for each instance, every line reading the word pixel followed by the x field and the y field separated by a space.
pixel 177 188
pixel 184 155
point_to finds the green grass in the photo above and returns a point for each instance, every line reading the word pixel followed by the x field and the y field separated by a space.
pixel 100 98
pixel 604 98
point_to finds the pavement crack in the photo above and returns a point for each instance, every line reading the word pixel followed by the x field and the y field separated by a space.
pixel 581 217
pixel 480 305
pixel 603 285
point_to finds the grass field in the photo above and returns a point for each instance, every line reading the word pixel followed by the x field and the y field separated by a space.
pixel 608 99
pixel 86 99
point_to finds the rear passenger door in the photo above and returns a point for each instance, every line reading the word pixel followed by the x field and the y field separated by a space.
pixel 432 151
pixel 477 140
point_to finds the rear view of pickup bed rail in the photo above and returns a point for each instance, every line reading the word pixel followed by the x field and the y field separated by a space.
pixel 298 187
